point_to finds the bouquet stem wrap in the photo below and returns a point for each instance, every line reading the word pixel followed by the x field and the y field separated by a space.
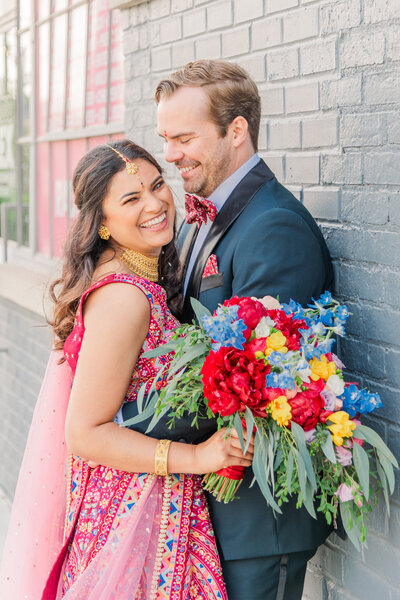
pixel 224 483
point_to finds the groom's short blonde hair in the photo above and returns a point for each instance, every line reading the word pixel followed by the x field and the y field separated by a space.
pixel 230 89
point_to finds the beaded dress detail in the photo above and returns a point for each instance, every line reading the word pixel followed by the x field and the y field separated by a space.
pixel 100 501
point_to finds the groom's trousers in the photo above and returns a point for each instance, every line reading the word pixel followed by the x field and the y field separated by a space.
pixel 278 577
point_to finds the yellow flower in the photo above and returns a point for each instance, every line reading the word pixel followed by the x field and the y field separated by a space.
pixel 342 427
pixel 322 368
pixel 281 410
pixel 276 343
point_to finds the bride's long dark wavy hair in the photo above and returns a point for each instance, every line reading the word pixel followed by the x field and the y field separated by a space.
pixel 83 247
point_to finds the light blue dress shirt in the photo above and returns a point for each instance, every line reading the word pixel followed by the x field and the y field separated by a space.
pixel 219 197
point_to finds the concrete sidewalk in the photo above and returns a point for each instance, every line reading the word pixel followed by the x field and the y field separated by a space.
pixel 5 511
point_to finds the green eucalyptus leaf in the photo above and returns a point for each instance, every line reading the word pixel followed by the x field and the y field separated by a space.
pixel 369 435
pixel 349 524
pixel 289 472
pixel 361 464
pixel 140 397
pixel 301 472
pixel 328 449
pixel 249 427
pixel 383 480
pixel 300 438
pixel 259 469
pixel 308 500
pixel 199 309
pixel 239 428
pixel 148 412
pixel 388 468
pixel 188 356
pixel 161 350
pixel 157 417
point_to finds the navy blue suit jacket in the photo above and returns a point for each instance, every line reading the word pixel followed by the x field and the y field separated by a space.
pixel 266 242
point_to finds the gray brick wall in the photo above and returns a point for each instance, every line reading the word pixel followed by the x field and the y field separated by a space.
pixel 25 342
pixel 328 74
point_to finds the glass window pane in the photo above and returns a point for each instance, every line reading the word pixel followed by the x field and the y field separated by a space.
pixel 77 66
pixel 58 72
pixel 24 13
pixel 58 4
pixel 8 73
pixel 43 67
pixel 97 64
pixel 43 198
pixel 42 9
pixel 10 47
pixel 117 73
pixel 25 193
pixel 25 49
pixel 60 195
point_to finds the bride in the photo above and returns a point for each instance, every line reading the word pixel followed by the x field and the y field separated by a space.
pixel 104 511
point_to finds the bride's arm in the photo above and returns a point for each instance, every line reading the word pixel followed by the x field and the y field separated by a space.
pixel 116 320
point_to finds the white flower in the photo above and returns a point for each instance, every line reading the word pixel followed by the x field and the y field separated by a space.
pixel 335 384
pixel 263 329
pixel 269 302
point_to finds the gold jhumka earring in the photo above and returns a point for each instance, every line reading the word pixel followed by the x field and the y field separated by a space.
pixel 104 233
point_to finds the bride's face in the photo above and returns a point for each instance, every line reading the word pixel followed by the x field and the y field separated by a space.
pixel 139 210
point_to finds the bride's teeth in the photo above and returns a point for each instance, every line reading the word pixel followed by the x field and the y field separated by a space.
pixel 154 222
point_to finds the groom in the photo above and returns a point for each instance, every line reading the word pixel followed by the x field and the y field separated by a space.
pixel 247 236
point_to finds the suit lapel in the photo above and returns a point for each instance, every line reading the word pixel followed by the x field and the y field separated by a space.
pixel 231 210
pixel 186 239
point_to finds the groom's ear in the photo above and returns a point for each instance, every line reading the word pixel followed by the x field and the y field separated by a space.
pixel 239 129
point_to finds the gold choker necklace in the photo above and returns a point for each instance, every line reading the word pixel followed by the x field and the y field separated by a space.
pixel 144 266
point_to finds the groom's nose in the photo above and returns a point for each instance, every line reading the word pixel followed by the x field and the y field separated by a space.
pixel 172 153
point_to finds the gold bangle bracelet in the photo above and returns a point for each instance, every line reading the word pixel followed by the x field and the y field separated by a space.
pixel 161 457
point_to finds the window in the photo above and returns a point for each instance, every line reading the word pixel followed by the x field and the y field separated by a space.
pixel 68 98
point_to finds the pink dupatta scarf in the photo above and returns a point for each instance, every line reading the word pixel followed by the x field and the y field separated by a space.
pixel 35 533
pixel 125 565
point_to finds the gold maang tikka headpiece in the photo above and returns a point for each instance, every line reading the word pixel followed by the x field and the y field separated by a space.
pixel 130 166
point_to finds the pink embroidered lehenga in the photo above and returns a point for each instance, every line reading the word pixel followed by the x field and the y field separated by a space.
pixel 134 536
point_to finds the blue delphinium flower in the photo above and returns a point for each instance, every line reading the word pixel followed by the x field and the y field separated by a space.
pixel 326 317
pixel 359 401
pixel 224 328
pixel 326 345
pixel 325 299
pixel 342 313
pixel 282 380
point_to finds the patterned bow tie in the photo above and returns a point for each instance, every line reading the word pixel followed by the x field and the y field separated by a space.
pixel 199 209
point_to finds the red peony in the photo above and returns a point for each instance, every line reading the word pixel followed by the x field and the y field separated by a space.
pixel 251 311
pixel 288 326
pixel 307 405
pixel 256 345
pixel 232 380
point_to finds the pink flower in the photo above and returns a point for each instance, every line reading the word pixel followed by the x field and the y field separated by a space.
pixel 329 399
pixel 337 361
pixel 344 493
pixel 310 435
pixel 344 456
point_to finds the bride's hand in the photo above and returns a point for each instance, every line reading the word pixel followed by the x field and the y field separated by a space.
pixel 221 451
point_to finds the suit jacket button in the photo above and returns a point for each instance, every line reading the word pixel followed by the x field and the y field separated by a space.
pixel 182 440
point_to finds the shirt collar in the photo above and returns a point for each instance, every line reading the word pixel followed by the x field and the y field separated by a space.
pixel 224 190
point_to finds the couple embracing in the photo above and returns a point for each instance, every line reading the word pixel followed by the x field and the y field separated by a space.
pixel 135 522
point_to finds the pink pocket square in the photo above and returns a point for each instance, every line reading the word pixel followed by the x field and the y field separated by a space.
pixel 211 267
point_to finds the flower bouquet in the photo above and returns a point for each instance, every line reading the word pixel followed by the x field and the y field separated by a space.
pixel 271 371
